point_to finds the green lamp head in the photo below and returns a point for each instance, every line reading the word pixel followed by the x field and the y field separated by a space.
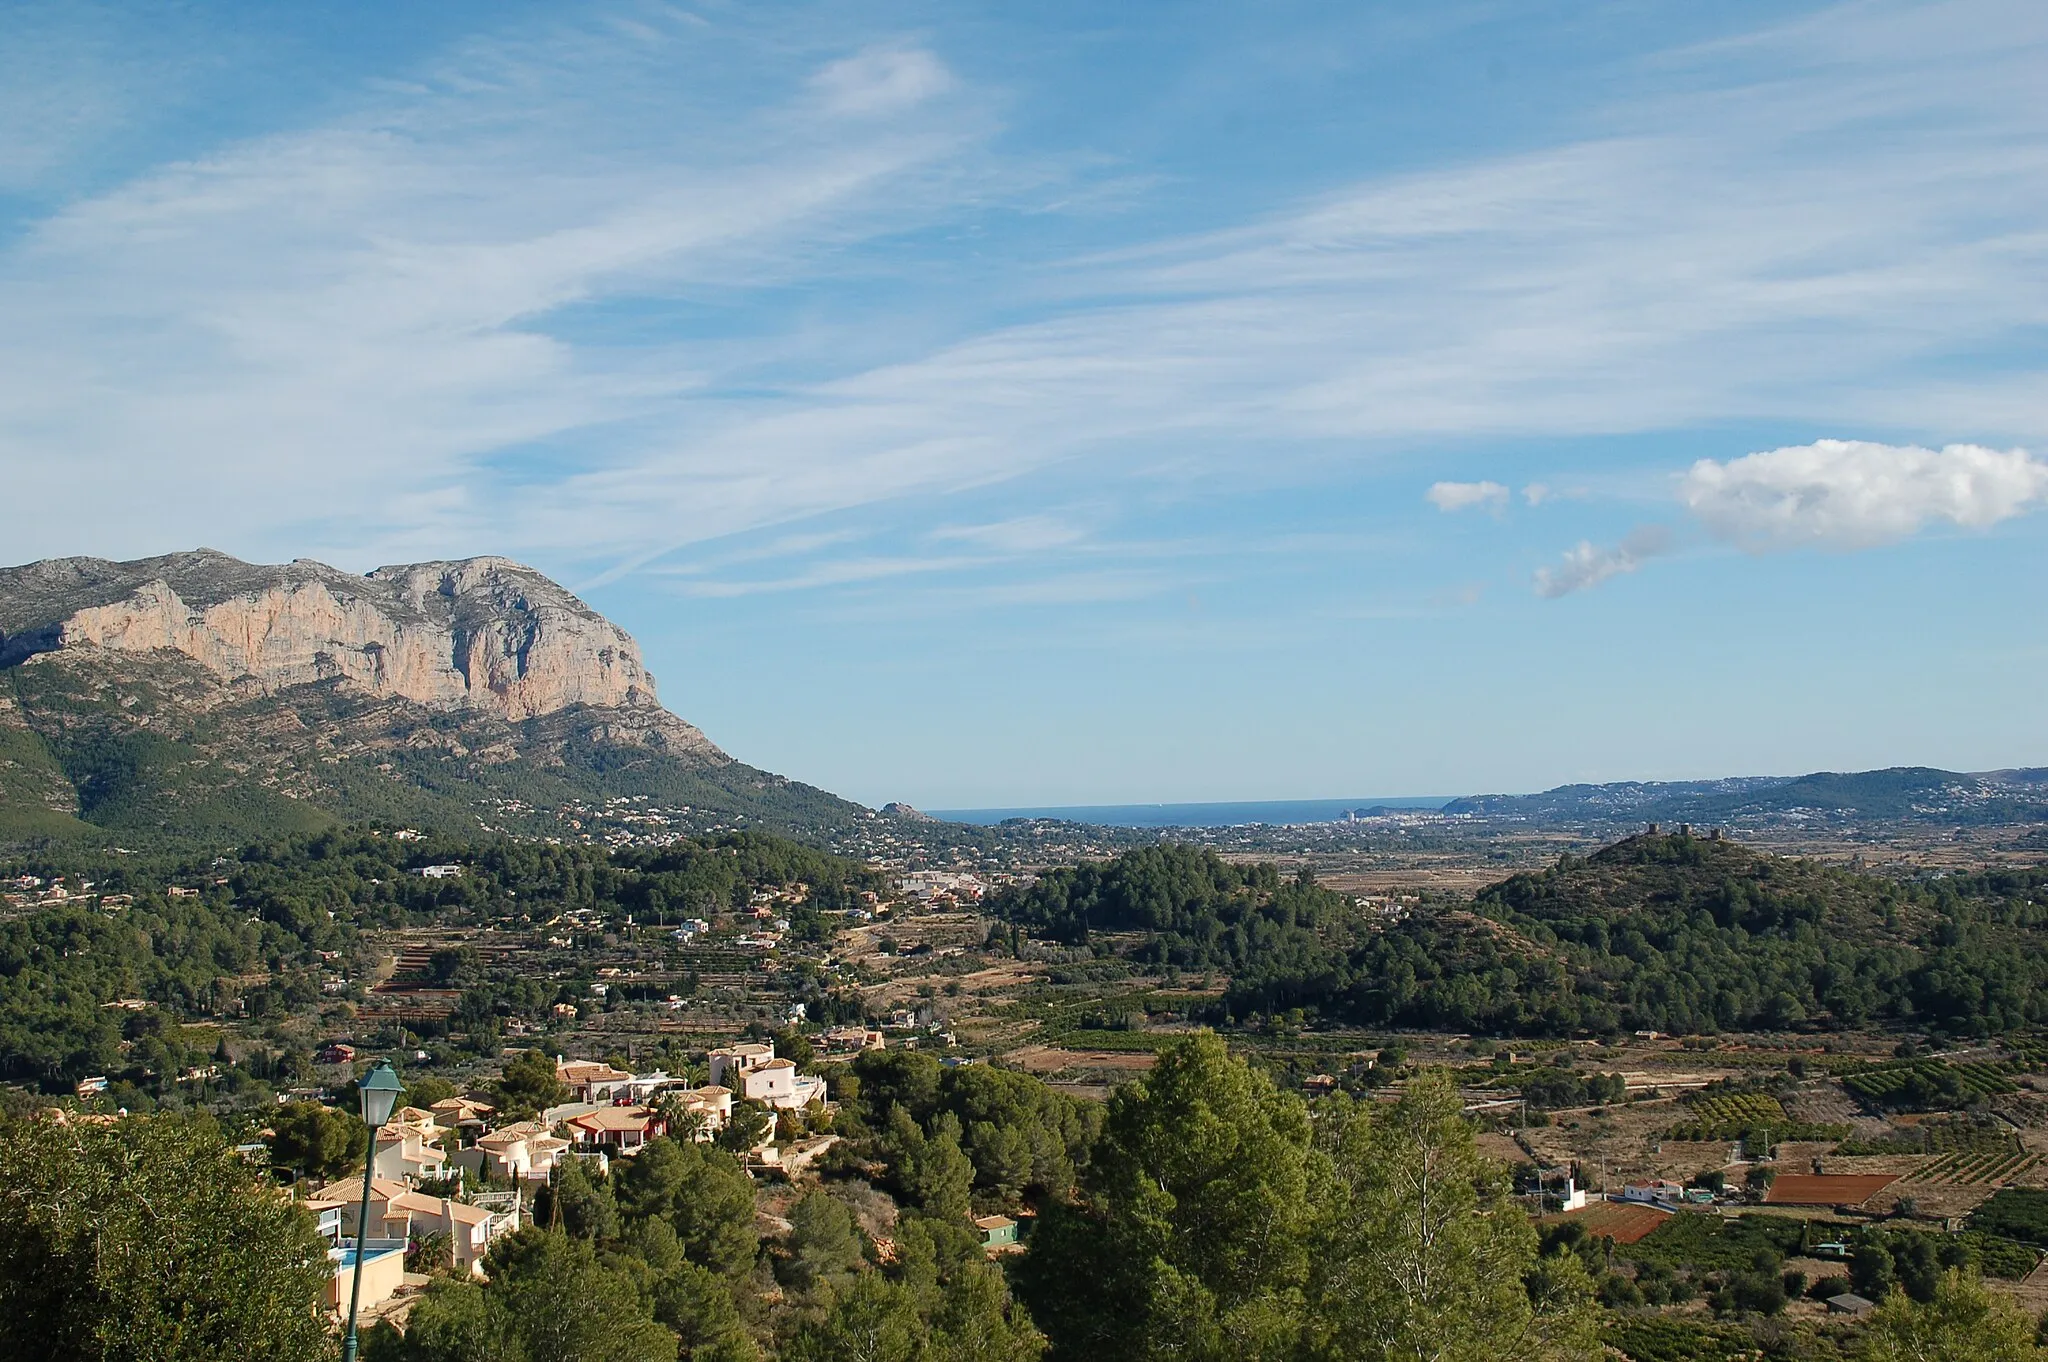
pixel 379 1090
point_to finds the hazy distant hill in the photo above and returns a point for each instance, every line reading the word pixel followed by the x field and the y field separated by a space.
pixel 1911 793
pixel 196 696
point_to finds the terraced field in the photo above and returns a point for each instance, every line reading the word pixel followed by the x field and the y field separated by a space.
pixel 1974 1170
pixel 1929 1083
pixel 1739 1116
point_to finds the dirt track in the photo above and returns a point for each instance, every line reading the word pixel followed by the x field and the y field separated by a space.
pixel 1045 1059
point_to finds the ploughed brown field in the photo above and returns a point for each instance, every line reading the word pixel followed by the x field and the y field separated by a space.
pixel 1827 1189
pixel 1623 1222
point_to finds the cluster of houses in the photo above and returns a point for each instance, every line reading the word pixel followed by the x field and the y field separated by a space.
pixel 33 891
pixel 1666 1193
pixel 420 1154
pixel 409 1205
pixel 943 888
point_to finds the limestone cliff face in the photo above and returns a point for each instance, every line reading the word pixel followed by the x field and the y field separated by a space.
pixel 483 634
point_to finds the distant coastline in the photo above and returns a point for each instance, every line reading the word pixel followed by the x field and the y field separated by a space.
pixel 1271 812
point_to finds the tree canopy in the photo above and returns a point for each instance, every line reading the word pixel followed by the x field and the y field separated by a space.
pixel 149 1240
pixel 1218 1221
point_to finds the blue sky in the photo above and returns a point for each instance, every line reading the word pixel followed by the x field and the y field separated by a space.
pixel 996 404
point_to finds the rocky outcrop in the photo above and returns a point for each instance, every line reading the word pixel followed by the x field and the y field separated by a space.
pixel 480 634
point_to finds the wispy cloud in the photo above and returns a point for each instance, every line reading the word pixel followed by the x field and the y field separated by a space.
pixel 1534 294
pixel 1463 496
pixel 335 335
pixel 383 336
pixel 1020 534
pixel 841 572
pixel 1587 565
pixel 882 80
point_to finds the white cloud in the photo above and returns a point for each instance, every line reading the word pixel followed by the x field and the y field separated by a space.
pixel 1461 496
pixel 1536 493
pixel 843 572
pixel 882 80
pixel 374 338
pixel 1018 535
pixel 1855 493
pixel 1587 565
pixel 344 340
pixel 1532 295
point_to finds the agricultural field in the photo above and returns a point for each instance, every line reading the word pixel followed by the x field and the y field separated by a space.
pixel 1974 1170
pixel 1929 1084
pixel 2017 1214
pixel 1749 1115
pixel 1908 1134
pixel 1622 1221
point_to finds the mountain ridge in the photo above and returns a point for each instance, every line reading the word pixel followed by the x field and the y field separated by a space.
pixel 480 632
pixel 1908 793
pixel 196 694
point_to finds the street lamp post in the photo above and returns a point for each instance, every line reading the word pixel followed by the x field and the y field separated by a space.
pixel 379 1090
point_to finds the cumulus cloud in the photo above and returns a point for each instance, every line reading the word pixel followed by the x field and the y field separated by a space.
pixel 1589 565
pixel 1536 493
pixel 1850 494
pixel 1462 496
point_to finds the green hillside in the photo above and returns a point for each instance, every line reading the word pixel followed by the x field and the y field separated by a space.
pixel 1667 932
pixel 153 752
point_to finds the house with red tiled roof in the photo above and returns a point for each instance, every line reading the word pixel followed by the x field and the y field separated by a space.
pixel 468 1229
pixel 592 1080
pixel 524 1150
pixel 408 1147
pixel 618 1130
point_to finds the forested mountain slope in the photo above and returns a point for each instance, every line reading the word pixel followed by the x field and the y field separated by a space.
pixel 1671 932
pixel 244 934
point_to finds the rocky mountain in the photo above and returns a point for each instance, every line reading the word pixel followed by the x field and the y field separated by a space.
pixel 195 694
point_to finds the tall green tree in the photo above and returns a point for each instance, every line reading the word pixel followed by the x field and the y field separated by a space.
pixel 874 1320
pixel 698 1304
pixel 149 1239
pixel 1962 1322
pixel 973 1320
pixel 529 1085
pixel 548 1298
pixel 577 1203
pixel 1191 1239
pixel 824 1241
pixel 929 1171
pixel 747 1126
pixel 703 1194
pixel 456 1320
pixel 1422 1252
pixel 566 1306
pixel 968 1318
pixel 321 1142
